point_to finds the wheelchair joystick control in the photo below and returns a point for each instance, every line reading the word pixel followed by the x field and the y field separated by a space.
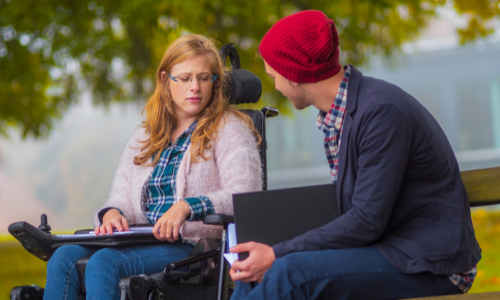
pixel 43 224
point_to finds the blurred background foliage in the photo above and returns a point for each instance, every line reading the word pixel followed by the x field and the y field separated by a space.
pixel 51 51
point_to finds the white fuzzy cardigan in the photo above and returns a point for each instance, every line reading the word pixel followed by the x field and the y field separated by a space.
pixel 234 166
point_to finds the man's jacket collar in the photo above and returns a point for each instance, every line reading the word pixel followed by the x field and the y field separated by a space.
pixel 351 105
pixel 352 90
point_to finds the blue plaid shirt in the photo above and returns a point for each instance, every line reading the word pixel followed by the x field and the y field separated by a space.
pixel 331 124
pixel 159 192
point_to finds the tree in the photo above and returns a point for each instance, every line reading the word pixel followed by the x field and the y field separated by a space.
pixel 51 50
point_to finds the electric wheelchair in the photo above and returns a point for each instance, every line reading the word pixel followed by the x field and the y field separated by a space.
pixel 203 274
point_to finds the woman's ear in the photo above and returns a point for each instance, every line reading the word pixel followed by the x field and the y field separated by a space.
pixel 162 75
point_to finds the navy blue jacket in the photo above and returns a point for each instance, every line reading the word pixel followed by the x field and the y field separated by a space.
pixel 399 186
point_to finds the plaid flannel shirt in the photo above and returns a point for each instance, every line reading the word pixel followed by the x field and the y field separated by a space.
pixel 159 192
pixel 331 124
pixel 464 280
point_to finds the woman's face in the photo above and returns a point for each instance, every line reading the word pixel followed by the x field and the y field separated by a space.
pixel 192 89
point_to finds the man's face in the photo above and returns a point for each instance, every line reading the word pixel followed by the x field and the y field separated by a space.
pixel 293 91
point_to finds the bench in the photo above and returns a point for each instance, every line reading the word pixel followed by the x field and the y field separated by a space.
pixel 482 296
pixel 483 188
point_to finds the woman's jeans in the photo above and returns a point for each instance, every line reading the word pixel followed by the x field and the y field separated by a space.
pixel 106 267
pixel 359 273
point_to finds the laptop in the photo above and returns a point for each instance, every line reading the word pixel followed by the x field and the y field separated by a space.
pixel 272 217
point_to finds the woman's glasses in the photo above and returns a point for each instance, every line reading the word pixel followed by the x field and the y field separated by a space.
pixel 202 79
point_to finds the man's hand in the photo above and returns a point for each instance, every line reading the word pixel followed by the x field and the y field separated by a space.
pixel 261 258
pixel 167 227
pixel 112 219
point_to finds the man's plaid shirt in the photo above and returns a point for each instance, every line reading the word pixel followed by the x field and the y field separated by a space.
pixel 159 190
pixel 331 124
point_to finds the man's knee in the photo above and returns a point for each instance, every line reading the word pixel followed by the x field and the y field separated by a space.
pixel 295 264
pixel 287 268
pixel 283 265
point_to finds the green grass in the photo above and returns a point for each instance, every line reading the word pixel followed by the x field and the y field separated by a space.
pixel 6 238
pixel 18 267
pixel 487 228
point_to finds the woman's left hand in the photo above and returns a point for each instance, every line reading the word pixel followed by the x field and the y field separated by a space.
pixel 167 227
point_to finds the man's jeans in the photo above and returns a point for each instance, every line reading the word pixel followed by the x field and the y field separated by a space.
pixel 106 267
pixel 360 273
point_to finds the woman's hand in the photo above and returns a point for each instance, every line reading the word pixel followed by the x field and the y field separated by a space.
pixel 112 219
pixel 167 227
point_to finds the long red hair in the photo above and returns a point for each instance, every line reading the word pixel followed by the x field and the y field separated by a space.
pixel 161 120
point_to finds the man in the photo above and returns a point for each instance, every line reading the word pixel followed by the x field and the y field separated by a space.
pixel 405 228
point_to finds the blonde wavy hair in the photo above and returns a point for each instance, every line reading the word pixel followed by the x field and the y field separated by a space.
pixel 161 120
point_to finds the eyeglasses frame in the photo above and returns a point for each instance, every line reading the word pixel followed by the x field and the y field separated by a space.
pixel 175 78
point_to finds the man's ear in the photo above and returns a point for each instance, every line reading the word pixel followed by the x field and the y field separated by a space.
pixel 293 84
pixel 162 75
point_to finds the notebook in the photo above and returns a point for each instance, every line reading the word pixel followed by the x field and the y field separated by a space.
pixel 271 217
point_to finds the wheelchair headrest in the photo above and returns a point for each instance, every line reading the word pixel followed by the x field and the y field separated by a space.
pixel 245 87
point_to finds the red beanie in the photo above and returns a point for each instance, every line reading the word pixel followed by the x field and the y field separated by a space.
pixel 303 47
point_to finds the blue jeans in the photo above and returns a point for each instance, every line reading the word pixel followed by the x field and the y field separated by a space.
pixel 106 267
pixel 359 273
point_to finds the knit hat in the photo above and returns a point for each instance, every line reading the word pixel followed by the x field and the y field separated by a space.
pixel 303 47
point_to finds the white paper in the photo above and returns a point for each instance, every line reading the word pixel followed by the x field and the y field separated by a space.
pixel 231 257
pixel 91 234
pixel 231 235
pixel 231 241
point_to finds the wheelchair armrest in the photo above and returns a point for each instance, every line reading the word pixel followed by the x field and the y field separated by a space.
pixel 270 112
pixel 188 261
pixel 218 219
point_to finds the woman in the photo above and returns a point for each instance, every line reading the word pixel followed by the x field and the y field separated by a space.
pixel 190 155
